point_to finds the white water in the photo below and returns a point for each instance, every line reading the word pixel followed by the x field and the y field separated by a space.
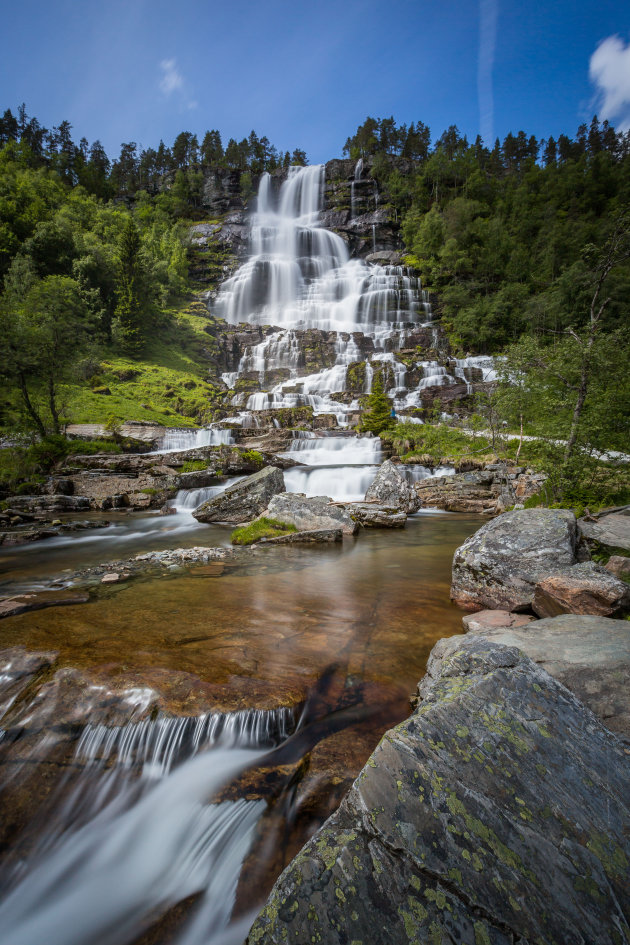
pixel 175 440
pixel 139 832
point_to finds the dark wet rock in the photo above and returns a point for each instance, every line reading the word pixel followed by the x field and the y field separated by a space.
pixel 493 619
pixel 608 531
pixel 37 600
pixel 371 515
pixel 315 536
pixel 243 501
pixel 499 566
pixel 18 667
pixel 497 813
pixel 589 655
pixel 585 588
pixel 310 513
pixel 390 488
pixel 50 503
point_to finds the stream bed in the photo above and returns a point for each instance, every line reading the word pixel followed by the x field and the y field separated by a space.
pixel 159 830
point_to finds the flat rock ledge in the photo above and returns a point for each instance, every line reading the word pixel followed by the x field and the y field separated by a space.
pixel 497 813
pixel 589 655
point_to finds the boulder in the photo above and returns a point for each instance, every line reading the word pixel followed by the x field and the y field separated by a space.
pixel 499 566
pixel 390 488
pixel 310 513
pixel 370 515
pixel 243 501
pixel 585 588
pixel 497 813
pixel 619 566
pixel 589 655
pixel 608 532
pixel 493 619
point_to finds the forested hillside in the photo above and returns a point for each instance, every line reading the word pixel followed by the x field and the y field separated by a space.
pixel 524 248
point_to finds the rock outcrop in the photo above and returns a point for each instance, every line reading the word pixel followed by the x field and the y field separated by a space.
pixel 390 488
pixel 499 566
pixel 309 513
pixel 608 531
pixel 585 588
pixel 489 491
pixel 243 501
pixel 491 619
pixel 589 655
pixel 497 813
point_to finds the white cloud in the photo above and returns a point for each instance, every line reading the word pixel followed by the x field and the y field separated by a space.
pixel 609 70
pixel 172 80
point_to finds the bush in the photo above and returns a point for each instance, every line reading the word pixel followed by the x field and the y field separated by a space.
pixel 261 528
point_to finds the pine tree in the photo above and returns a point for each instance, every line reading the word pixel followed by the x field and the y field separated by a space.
pixel 129 308
pixel 378 415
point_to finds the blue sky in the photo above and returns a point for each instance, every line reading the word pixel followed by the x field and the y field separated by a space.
pixel 307 75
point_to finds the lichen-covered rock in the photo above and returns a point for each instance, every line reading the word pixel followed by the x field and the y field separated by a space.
pixel 497 813
pixel 243 501
pixel 499 566
pixel 390 488
pixel 585 588
pixel 309 513
pixel 609 532
pixel 589 655
pixel 315 536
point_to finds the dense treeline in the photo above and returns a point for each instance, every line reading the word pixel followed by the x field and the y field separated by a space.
pixel 505 236
pixel 89 166
pixel 527 247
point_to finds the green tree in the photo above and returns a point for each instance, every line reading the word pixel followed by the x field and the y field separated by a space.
pixel 44 331
pixel 130 306
pixel 378 416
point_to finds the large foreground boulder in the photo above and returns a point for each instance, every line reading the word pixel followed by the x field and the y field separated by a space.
pixel 309 513
pixel 585 588
pixel 498 813
pixel 369 515
pixel 244 500
pixel 499 566
pixel 589 655
pixel 390 488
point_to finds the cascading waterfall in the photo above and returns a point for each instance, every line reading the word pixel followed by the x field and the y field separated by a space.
pixel 300 276
pixel 175 440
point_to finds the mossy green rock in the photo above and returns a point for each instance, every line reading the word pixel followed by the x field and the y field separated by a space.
pixel 497 813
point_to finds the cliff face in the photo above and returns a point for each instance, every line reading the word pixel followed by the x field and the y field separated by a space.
pixel 355 208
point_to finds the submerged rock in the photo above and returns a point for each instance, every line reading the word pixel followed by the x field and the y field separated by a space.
pixel 589 655
pixel 497 813
pixel 244 500
pixel 390 488
pixel 309 513
pixel 585 588
pixel 37 600
pixel 499 566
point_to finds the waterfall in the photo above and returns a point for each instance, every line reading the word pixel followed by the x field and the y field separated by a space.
pixel 139 831
pixel 175 440
pixel 301 274
pixel 358 170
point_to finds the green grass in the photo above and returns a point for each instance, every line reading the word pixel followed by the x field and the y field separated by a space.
pixel 261 528
pixel 23 469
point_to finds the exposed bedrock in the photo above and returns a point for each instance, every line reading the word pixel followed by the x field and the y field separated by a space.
pixel 244 500
pixel 497 813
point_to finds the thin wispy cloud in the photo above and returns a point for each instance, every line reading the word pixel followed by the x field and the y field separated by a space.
pixel 488 15
pixel 173 85
pixel 609 71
